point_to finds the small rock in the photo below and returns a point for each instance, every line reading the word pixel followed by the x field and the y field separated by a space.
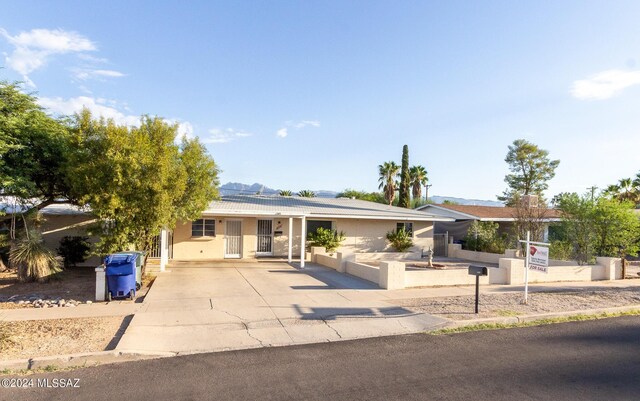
pixel 62 302
pixel 21 302
pixel 37 306
pixel 70 305
pixel 89 302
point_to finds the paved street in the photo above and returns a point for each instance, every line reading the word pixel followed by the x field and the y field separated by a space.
pixel 594 360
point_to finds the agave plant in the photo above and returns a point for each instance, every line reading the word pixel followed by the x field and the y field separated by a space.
pixel 33 260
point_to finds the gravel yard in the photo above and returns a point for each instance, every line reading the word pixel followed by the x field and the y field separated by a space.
pixel 510 304
pixel 26 339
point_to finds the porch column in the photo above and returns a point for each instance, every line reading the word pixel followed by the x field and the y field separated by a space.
pixel 164 249
pixel 290 235
pixel 303 240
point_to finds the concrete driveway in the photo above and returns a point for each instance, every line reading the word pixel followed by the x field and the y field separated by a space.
pixel 235 306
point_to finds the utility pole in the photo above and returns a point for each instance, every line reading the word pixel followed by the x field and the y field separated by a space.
pixel 426 191
pixel 593 191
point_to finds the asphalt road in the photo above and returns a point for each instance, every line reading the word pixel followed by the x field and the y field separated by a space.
pixel 595 360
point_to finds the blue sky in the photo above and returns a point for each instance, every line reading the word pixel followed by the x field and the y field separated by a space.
pixel 301 94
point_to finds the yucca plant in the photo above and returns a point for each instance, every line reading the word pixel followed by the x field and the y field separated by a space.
pixel 33 260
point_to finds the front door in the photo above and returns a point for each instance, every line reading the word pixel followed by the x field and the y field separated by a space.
pixel 233 239
pixel 265 238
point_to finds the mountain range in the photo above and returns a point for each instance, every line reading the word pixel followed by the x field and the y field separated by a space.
pixel 236 188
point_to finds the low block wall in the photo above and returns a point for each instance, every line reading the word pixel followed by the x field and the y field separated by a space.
pixel 456 251
pixel 328 261
pixel 369 273
pixel 394 256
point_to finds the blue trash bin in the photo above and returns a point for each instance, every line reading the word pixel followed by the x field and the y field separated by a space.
pixel 120 271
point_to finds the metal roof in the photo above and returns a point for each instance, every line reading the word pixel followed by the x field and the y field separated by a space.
pixel 295 206
pixel 482 213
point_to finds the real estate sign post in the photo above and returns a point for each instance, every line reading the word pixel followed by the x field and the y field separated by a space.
pixel 536 258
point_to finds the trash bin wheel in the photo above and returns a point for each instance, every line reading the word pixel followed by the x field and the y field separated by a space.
pixel 138 286
pixel 132 295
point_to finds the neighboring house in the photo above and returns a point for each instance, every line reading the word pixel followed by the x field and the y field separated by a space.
pixel 251 226
pixel 465 215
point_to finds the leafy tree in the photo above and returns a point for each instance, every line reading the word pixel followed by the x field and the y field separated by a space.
pixel 34 148
pixel 362 195
pixel 418 178
pixel 529 218
pixel 400 240
pixel 598 226
pixel 74 250
pixel 285 192
pixel 483 236
pixel 307 193
pixel 137 180
pixel 387 177
pixel 450 202
pixel 329 239
pixel 626 189
pixel 530 168
pixel 404 199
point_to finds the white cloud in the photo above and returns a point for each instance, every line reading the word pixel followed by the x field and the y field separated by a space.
pixel 99 108
pixel 33 48
pixel 84 74
pixel 218 135
pixel 605 84
pixel 304 123
pixel 284 131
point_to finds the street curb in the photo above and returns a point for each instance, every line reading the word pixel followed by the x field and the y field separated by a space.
pixel 541 316
pixel 81 359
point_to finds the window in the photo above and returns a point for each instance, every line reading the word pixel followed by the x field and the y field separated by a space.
pixel 313 225
pixel 203 228
pixel 408 227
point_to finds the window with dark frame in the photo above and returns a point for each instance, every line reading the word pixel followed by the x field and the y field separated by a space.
pixel 313 225
pixel 408 227
pixel 203 228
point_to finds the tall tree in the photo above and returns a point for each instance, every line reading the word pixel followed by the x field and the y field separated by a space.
pixel 362 195
pixel 531 169
pixel 285 192
pixel 137 180
pixel 404 196
pixel 418 178
pixel 387 173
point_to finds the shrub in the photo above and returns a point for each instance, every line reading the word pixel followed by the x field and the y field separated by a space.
pixel 483 237
pixel 561 250
pixel 33 260
pixel 74 250
pixel 400 240
pixel 329 239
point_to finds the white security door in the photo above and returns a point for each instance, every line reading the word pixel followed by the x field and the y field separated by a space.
pixel 265 238
pixel 233 239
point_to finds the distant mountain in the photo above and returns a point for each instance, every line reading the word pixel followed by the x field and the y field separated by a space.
pixel 463 201
pixel 236 188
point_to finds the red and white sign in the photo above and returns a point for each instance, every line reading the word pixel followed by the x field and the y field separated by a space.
pixel 539 258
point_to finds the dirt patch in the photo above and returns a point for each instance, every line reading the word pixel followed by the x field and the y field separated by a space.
pixel 31 338
pixel 495 305
pixel 76 283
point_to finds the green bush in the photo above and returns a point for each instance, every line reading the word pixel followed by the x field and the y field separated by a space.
pixel 329 239
pixel 561 250
pixel 74 250
pixel 400 240
pixel 483 236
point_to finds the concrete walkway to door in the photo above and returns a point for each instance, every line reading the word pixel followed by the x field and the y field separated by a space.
pixel 238 305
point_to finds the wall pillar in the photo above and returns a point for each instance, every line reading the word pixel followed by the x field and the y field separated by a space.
pixel 290 235
pixel 303 240
pixel 391 275
pixel 164 249
pixel 101 284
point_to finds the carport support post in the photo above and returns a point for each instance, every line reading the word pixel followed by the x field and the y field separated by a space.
pixel 303 239
pixel 290 239
pixel 164 249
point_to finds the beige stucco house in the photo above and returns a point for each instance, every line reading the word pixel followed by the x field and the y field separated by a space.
pixel 254 226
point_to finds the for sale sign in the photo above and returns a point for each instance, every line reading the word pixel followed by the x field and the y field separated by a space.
pixel 539 258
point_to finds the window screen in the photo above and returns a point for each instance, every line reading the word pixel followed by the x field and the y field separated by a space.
pixel 408 227
pixel 203 228
pixel 313 225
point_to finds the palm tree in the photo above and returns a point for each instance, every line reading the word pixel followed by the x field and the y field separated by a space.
pixel 417 178
pixel 388 172
pixel 285 192
pixel 307 193
pixel 627 190
pixel 612 191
